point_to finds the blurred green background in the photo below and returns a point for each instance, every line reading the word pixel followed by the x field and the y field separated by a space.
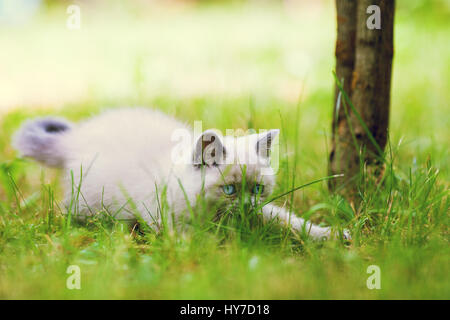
pixel 269 52
pixel 231 64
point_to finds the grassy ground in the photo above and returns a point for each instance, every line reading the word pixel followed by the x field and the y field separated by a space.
pixel 231 67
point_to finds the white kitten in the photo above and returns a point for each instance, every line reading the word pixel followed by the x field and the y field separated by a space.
pixel 128 153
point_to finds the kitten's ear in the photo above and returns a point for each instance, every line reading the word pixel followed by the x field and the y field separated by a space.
pixel 209 149
pixel 264 143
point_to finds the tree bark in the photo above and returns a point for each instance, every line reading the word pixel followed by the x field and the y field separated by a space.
pixel 363 65
pixel 345 48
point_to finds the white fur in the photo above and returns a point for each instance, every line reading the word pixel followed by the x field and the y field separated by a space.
pixel 125 154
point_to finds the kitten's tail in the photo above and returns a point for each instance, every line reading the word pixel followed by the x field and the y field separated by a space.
pixel 41 138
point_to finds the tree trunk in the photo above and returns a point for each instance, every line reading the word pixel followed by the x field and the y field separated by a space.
pixel 363 66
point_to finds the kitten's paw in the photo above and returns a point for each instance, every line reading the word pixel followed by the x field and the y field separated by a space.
pixel 346 235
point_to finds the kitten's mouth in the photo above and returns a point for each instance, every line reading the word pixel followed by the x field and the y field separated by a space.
pixel 225 211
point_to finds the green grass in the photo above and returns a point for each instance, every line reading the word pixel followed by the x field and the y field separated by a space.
pixel 246 70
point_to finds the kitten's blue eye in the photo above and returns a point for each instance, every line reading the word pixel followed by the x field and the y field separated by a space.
pixel 258 189
pixel 229 189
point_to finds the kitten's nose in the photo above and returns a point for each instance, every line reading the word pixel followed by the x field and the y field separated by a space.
pixel 246 203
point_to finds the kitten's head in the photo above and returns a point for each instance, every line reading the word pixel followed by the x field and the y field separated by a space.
pixel 235 169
